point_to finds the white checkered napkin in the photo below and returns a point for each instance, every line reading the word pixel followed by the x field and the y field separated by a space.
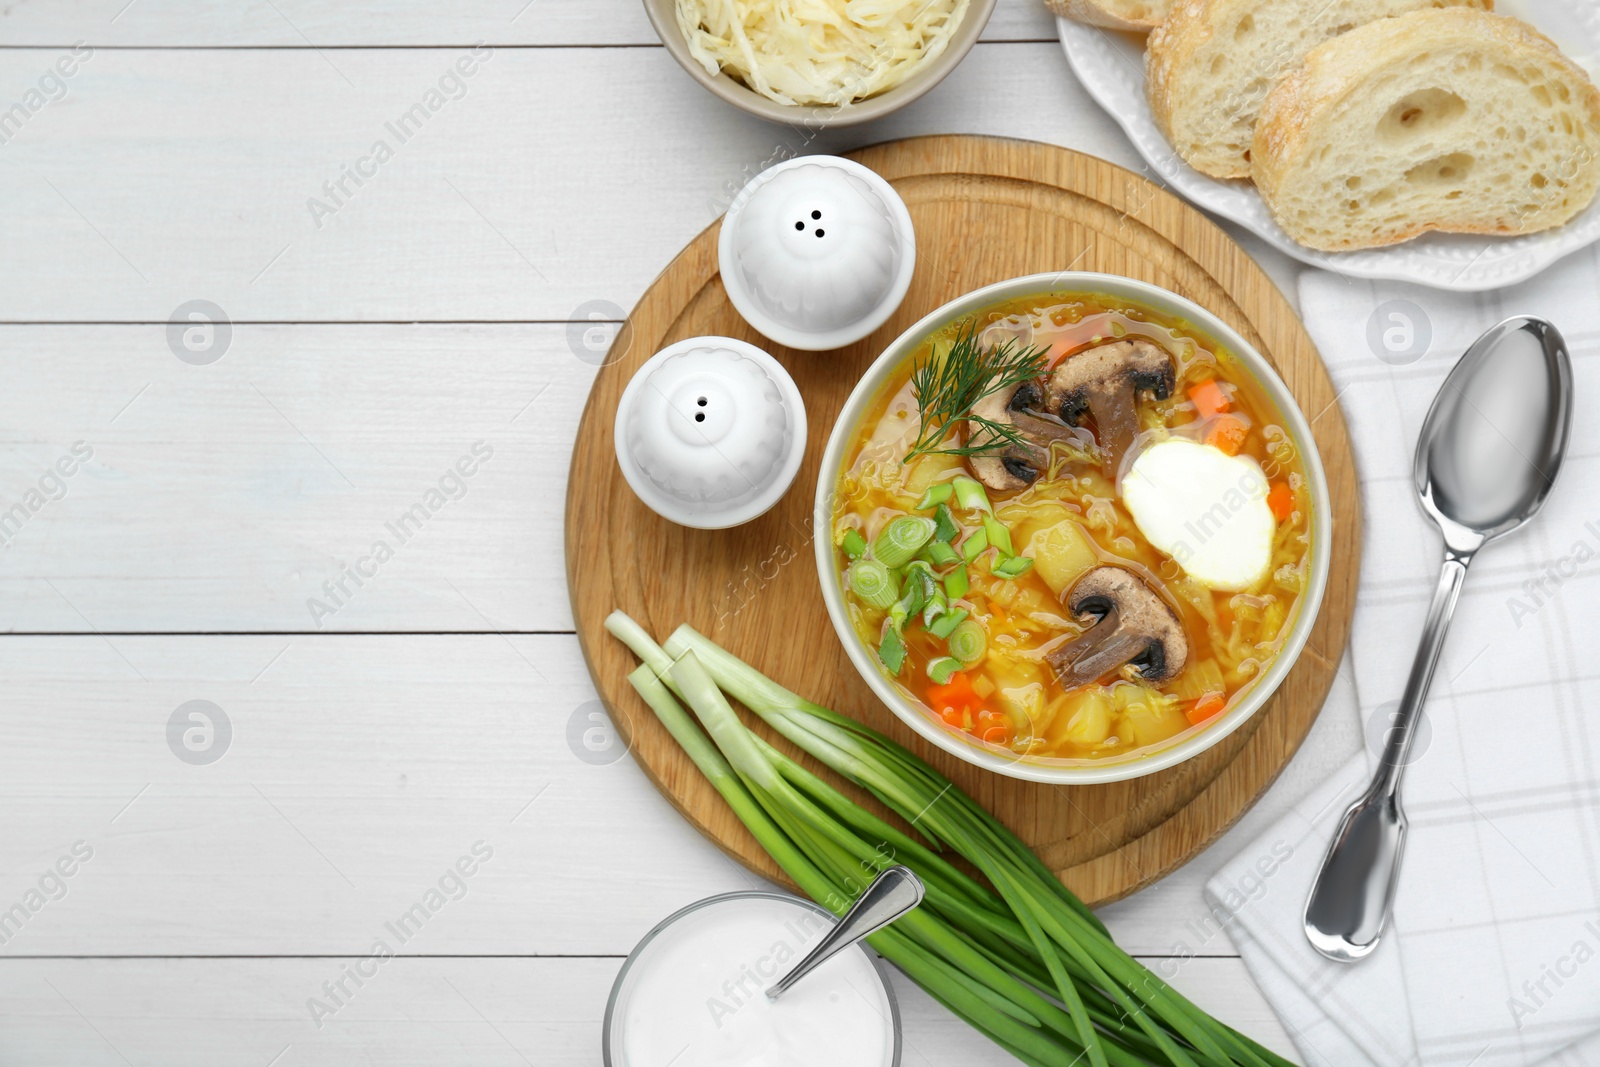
pixel 1338 1016
pixel 1494 955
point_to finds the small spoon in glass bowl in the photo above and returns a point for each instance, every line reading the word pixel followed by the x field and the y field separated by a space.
pixel 893 893
pixel 1486 460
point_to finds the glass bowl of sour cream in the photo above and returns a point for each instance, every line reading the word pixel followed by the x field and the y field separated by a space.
pixel 693 992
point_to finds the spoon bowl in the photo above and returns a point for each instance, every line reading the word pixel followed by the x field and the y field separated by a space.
pixel 1494 439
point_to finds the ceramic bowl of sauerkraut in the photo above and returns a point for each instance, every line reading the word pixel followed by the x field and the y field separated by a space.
pixel 827 63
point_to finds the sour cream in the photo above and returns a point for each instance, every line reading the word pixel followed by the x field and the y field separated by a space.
pixel 1204 508
pixel 693 993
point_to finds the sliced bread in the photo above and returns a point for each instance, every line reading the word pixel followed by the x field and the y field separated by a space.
pixel 1136 15
pixel 1451 120
pixel 1212 62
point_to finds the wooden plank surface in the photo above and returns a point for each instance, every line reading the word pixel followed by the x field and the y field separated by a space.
pixel 428 1012
pixel 292 23
pixel 163 177
pixel 220 496
pixel 358 768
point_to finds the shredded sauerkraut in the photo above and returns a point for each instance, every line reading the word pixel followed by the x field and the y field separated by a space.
pixel 827 52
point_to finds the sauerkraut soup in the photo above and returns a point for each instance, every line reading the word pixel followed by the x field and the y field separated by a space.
pixel 1072 528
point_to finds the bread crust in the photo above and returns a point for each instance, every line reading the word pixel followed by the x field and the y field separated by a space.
pixel 1171 54
pixel 1290 115
pixel 1186 29
pixel 1098 13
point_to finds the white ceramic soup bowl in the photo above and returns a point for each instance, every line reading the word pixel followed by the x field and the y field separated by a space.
pixel 1059 771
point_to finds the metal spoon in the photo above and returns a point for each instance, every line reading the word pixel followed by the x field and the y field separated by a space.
pixel 1487 458
pixel 893 893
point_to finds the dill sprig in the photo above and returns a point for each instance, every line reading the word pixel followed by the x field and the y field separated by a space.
pixel 948 389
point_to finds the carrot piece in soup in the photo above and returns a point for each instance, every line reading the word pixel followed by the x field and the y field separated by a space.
pixel 1205 708
pixel 1209 399
pixel 1227 432
pixel 1058 351
pixel 956 693
pixel 993 727
pixel 1280 498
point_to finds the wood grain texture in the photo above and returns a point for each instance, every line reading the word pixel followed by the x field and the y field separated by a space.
pixel 753 588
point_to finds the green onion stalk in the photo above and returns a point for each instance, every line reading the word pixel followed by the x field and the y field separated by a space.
pixel 968 641
pixel 902 539
pixel 873 583
pixel 1020 958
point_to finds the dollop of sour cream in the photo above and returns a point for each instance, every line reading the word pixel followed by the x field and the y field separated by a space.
pixel 1204 508
pixel 695 994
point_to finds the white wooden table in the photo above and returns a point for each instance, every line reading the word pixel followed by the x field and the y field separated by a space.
pixel 416 318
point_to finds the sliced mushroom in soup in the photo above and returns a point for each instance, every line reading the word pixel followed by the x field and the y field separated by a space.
pixel 1129 625
pixel 1022 407
pixel 1105 383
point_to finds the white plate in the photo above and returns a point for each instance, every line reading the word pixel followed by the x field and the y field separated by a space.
pixel 1111 67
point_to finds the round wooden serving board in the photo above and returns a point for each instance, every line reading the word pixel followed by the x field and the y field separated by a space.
pixel 985 210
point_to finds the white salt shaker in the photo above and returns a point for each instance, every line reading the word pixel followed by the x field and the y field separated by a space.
pixel 710 432
pixel 817 252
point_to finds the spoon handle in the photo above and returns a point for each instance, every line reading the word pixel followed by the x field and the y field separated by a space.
pixel 893 893
pixel 1397 742
pixel 1353 893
